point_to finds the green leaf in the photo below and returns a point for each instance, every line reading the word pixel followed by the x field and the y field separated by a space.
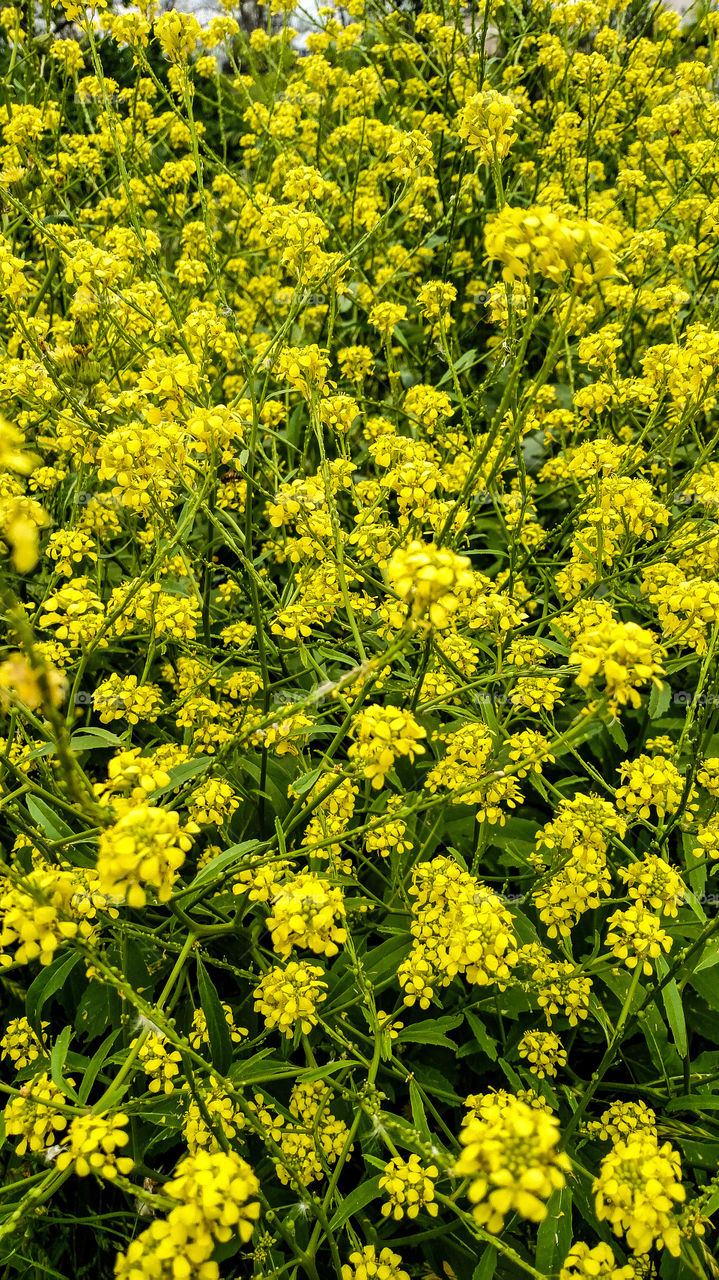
pixel 617 734
pixel 378 963
pixel 223 860
pixel 485 1041
pixel 511 1075
pixel 706 985
pixel 217 1028
pixel 356 1200
pixel 431 1031
pixel 53 826
pixel 57 1062
pixel 710 956
pixel 694 1102
pixel 306 781
pixel 276 796
pixel 96 1007
pixel 96 1062
pixel 554 1235
pixel 46 984
pixel 419 1115
pixel 650 1022
pixel 659 699
pixel 486 1266
pixel 319 1073
pixel 673 1005
pixel 517 832
pixel 583 1196
pixel 86 739
pixel 261 1067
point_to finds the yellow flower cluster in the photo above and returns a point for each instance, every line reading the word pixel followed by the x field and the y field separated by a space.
pixel 708 775
pixel 383 735
pixel 289 998
pixel 217 1115
pixel 145 848
pixel 654 884
pixel 708 840
pixel 315 1138
pixel 636 937
pixel 543 1051
pixel 623 1119
pixel 468 750
pixel 304 915
pixel 213 803
pixel 331 817
pixel 485 123
pixel 20 1044
pixel 409 1187
pixel 577 839
pixel 368 1264
pixel 159 1062
pixel 92 1143
pixel 121 698
pixel 599 1263
pixel 638 1190
pixel 214 1191
pixel 557 985
pixel 650 782
pixel 390 834
pixel 34 1114
pixel 626 657
pixel 199 1035
pixel 459 926
pixel 430 579
pixel 39 915
pixel 21 682
pixel 539 241
pixel 511 1155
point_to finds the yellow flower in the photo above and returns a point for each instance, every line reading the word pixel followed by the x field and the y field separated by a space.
pixel 199 1035
pixel 368 1264
pixel 435 298
pixel 22 682
pixel 459 926
pixel 158 1062
pixel 635 936
pixel 485 123
pixel 20 1044
pixel 511 1154
pixel 637 1191
pixel 386 315
pixel 543 1051
pixel 539 240
pixel 223 1114
pixel 584 1263
pixel 288 998
pixel 145 847
pixel 304 914
pixel 409 1187
pixel 91 1146
pixel 429 578
pixel 32 1117
pixel 651 782
pixel 625 655
pixel 384 734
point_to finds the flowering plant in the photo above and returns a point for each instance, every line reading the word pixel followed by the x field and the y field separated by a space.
pixel 359 700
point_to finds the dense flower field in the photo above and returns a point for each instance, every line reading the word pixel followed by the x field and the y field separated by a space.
pixel 359 687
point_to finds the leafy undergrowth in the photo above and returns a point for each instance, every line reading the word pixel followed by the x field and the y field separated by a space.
pixel 359 692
